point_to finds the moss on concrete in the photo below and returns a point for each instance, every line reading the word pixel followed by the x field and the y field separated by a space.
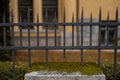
pixel 69 67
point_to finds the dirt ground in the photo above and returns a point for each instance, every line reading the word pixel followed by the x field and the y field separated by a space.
pixel 71 56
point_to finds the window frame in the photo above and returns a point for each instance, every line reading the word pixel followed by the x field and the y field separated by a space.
pixel 104 30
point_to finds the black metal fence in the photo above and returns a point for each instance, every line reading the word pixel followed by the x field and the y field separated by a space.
pixel 64 24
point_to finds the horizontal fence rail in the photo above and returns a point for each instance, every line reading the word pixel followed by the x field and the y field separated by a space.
pixel 80 46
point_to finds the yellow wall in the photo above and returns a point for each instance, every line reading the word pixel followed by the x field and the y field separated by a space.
pixel 37 11
pixel 94 6
pixel 70 9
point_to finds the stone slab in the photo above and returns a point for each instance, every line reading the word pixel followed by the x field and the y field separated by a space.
pixel 46 75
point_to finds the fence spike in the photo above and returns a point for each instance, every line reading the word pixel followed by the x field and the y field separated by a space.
pixel 4 18
pixel 73 18
pixel 117 14
pixel 37 18
pixel 12 17
pixel 108 17
pixel 20 18
pixel 46 15
pixel 55 17
pixel 91 17
pixel 100 15
pixel 82 15
pixel 28 16
pixel 64 15
pixel 117 22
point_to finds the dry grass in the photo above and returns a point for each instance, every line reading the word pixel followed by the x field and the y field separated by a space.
pixel 71 56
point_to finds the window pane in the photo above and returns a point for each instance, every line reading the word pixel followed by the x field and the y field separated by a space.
pixel 25 9
pixel 50 7
pixel 111 34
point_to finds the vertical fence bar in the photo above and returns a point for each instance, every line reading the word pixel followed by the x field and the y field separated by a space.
pixel 81 61
pixel 13 52
pixel 29 50
pixel 115 64
pixel 77 26
pixel 99 38
pixel 64 34
pixel 107 30
pixel 55 34
pixel 4 31
pixel 20 31
pixel 91 30
pixel 29 58
pixel 37 31
pixel 78 33
pixel 46 44
pixel 55 31
pixel 46 30
pixel 116 44
pixel 73 30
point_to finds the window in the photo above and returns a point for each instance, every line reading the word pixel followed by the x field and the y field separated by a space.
pixel 104 34
pixel 50 7
pixel 25 9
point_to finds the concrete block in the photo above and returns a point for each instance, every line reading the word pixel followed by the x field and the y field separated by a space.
pixel 53 75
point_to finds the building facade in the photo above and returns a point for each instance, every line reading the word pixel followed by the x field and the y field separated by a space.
pixel 54 9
